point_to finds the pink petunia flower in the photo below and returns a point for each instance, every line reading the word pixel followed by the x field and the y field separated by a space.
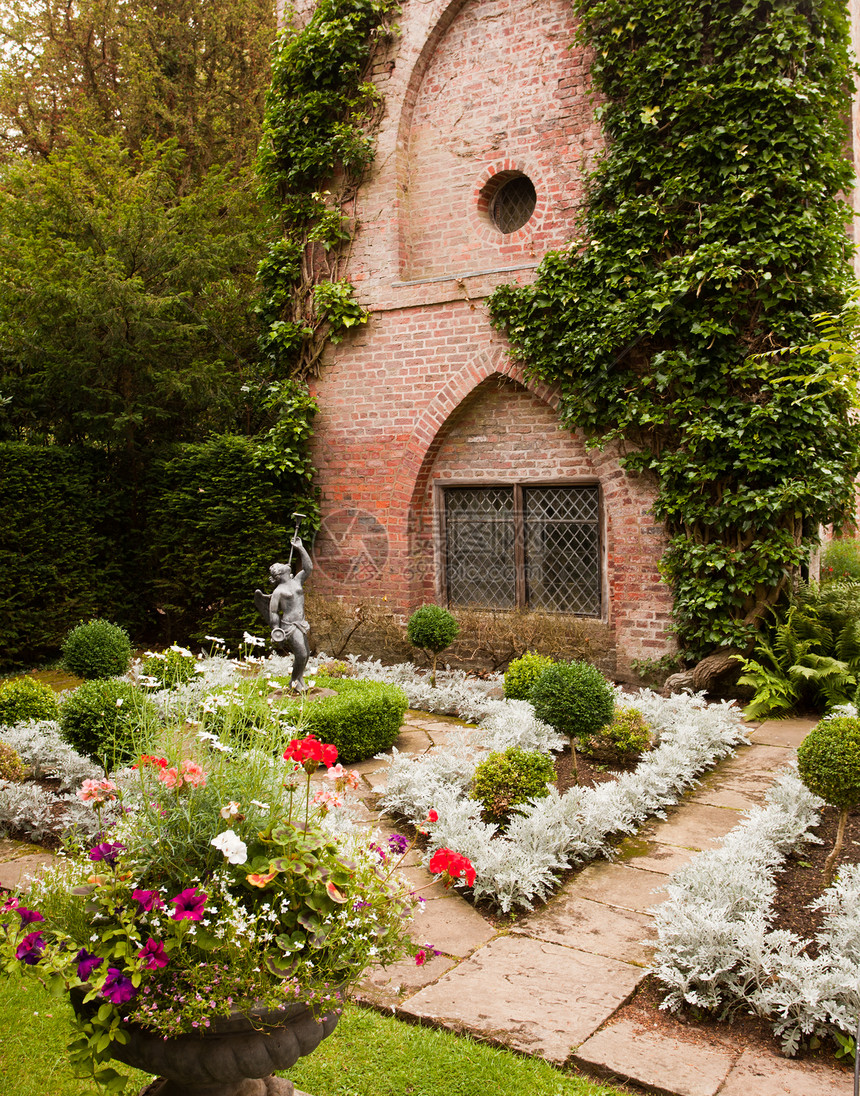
pixel 190 905
pixel 148 899
pixel 153 954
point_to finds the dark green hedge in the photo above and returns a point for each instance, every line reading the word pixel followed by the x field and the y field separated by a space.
pixel 65 551
pixel 172 551
pixel 216 521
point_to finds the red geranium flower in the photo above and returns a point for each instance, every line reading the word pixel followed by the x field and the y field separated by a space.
pixel 453 865
pixel 310 752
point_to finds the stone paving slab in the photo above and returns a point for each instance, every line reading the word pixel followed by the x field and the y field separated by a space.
pixel 694 825
pixel 17 872
pixel 657 1061
pixel 650 855
pixel 619 885
pixel 756 1074
pixel 783 732
pixel 593 927
pixel 412 740
pixel 535 997
pixel 742 781
pixel 452 926
pixel 388 987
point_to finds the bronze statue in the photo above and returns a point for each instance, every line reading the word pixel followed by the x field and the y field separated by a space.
pixel 284 610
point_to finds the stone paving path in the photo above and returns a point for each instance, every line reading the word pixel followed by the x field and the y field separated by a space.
pixel 551 983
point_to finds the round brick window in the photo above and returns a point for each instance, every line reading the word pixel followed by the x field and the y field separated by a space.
pixel 513 203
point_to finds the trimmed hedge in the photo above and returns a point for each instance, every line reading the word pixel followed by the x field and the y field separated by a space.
pixel 362 719
pixel 216 521
pixel 66 549
pixel 24 698
pixel 97 648
pixel 173 550
pixel 109 720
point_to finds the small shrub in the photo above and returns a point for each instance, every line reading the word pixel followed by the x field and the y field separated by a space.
pixel 24 698
pixel 97 649
pixel 504 781
pixel 170 668
pixel 840 561
pixel 432 628
pixel 336 668
pixel 522 674
pixel 828 760
pixel 361 720
pixel 11 765
pixel 108 720
pixel 624 738
pixel 575 699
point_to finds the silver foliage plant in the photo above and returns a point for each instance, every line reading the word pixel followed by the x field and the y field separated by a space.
pixel 34 810
pixel 717 949
pixel 521 866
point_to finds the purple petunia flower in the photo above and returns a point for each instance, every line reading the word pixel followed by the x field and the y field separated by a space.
pixel 29 916
pixel 398 843
pixel 153 955
pixel 118 987
pixel 30 949
pixel 108 851
pixel 148 899
pixel 87 963
pixel 189 905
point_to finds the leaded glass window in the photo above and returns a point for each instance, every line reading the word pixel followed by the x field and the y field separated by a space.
pixel 532 547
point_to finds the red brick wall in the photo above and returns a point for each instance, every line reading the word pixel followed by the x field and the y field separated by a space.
pixel 470 89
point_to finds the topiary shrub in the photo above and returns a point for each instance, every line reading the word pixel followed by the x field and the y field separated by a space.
pixel 24 698
pixel 170 668
pixel 575 699
pixel 108 720
pixel 11 765
pixel 522 674
pixel 828 760
pixel 504 781
pixel 97 649
pixel 432 628
pixel 623 739
pixel 363 717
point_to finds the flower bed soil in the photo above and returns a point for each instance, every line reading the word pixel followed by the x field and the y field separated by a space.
pixel 801 882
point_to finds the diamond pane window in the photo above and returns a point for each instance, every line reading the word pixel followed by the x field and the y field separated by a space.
pixel 532 547
pixel 513 204
pixel 562 557
pixel 480 547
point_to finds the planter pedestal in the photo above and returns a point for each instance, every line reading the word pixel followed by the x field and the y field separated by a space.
pixel 265 1086
pixel 235 1056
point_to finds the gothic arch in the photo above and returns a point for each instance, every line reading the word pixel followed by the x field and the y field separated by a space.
pixel 420 450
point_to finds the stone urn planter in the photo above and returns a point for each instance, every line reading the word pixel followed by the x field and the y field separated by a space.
pixel 235 1056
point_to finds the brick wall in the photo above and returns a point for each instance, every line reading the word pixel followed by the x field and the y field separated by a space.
pixel 471 90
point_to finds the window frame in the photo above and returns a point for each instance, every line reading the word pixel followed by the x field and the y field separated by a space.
pixel 518 487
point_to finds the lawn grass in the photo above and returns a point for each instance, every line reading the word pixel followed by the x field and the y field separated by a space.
pixel 368 1055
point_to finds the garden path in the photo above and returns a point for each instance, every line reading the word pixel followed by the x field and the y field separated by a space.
pixel 553 983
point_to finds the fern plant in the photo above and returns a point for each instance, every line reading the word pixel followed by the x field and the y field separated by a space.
pixel 812 656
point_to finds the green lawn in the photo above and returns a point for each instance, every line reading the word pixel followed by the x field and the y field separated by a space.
pixel 369 1055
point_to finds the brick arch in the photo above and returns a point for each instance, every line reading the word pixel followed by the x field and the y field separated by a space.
pixel 419 452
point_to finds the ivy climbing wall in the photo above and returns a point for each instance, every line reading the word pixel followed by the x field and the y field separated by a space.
pixel 475 93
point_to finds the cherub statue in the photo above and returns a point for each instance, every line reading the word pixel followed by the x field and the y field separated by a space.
pixel 284 611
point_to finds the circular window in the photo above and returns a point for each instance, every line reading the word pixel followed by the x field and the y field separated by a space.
pixel 513 204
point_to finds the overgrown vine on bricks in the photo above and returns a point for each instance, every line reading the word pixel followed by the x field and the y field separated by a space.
pixel 321 114
pixel 712 234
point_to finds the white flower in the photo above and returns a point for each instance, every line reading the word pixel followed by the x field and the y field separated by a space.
pixel 254 641
pixel 233 847
pixel 230 811
pixel 119 703
pixel 262 806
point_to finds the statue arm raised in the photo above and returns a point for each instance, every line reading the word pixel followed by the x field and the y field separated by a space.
pixel 307 563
